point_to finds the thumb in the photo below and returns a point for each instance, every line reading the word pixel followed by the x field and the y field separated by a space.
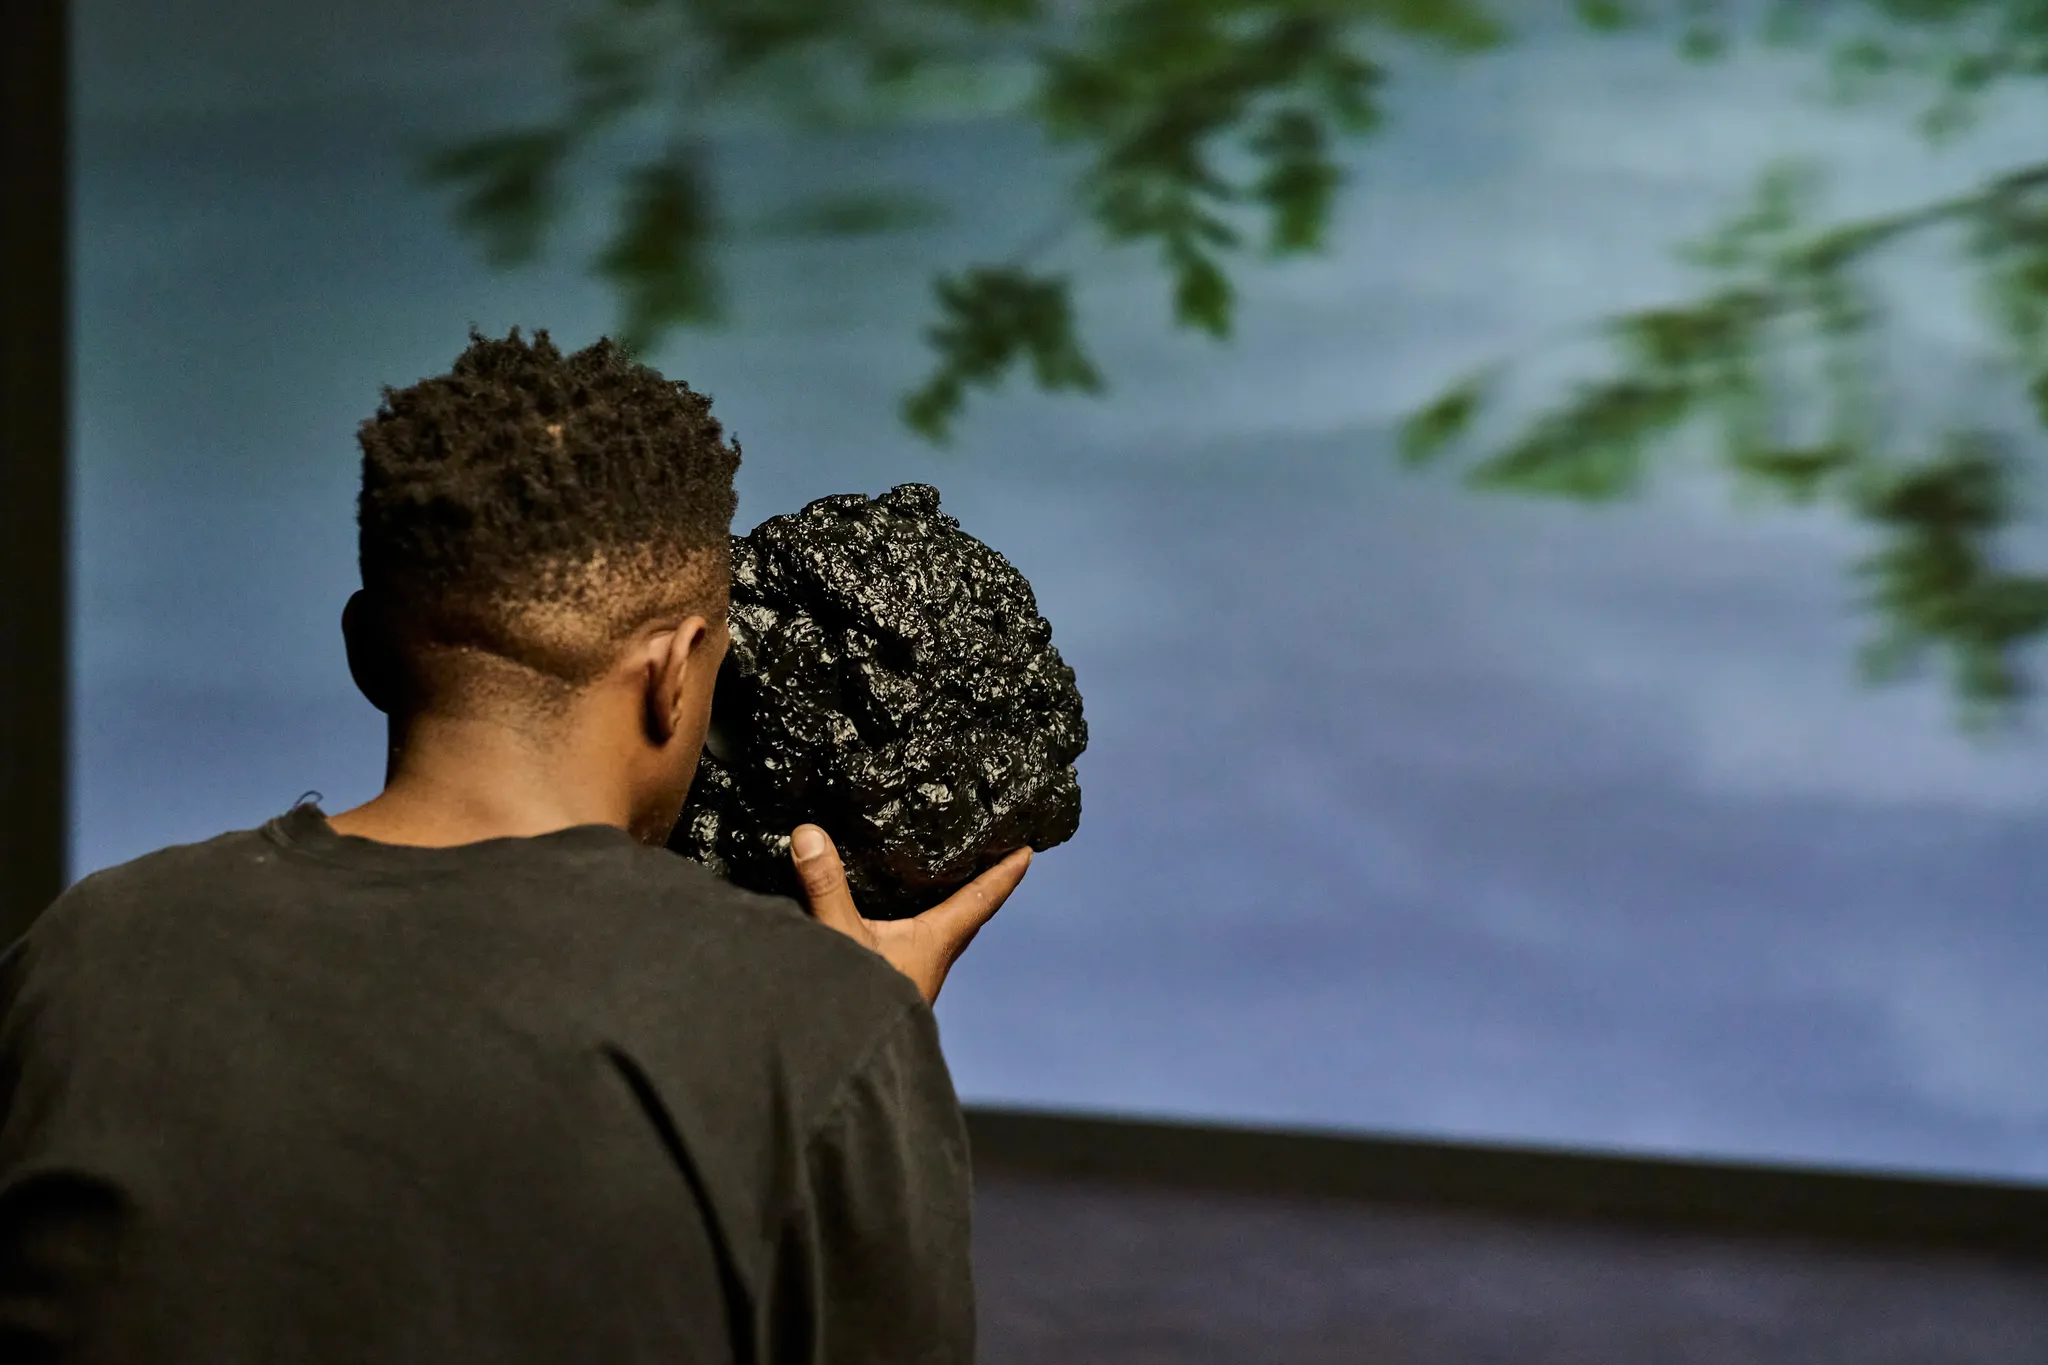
pixel 823 877
pixel 958 918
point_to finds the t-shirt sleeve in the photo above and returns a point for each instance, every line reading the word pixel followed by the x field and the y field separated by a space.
pixel 873 1263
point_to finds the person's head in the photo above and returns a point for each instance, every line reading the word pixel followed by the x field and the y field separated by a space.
pixel 543 538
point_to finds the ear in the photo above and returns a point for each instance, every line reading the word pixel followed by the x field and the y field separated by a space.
pixel 370 660
pixel 682 667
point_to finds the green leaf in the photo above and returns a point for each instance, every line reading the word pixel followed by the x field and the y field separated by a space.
pixel 1866 55
pixel 1858 64
pixel 1081 95
pixel 1796 473
pixel 1714 331
pixel 2012 248
pixel 1594 448
pixel 658 258
pixel 2011 607
pixel 1964 490
pixel 1784 197
pixel 1987 684
pixel 1789 23
pixel 990 319
pixel 931 409
pixel 1463 26
pixel 1704 43
pixel 1934 580
pixel 1202 295
pixel 612 63
pixel 1971 72
pixel 750 34
pixel 506 189
pixel 1299 185
pixel 863 214
pixel 1937 591
pixel 1428 433
pixel 995 12
pixel 1348 85
pixel 1607 16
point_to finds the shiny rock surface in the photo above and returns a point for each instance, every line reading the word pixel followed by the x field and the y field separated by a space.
pixel 890 679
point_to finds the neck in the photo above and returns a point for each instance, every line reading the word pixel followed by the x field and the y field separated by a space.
pixel 462 779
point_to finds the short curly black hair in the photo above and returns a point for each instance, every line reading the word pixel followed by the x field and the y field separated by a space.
pixel 538 508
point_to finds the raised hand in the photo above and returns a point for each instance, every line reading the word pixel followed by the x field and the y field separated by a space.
pixel 923 948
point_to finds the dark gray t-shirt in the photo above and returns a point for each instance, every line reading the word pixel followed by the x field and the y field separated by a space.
pixel 288 1096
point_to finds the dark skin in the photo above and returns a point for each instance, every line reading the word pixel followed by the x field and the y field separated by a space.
pixel 622 751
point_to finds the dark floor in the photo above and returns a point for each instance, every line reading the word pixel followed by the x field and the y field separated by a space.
pixel 1099 1274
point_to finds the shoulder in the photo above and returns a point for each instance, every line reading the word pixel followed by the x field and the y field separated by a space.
pixel 126 890
pixel 765 947
pixel 170 867
pixel 94 952
pixel 751 987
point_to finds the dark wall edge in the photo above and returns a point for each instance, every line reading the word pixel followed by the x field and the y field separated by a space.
pixel 35 363
pixel 1720 1197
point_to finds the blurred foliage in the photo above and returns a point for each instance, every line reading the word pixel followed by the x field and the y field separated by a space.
pixel 989 320
pixel 1780 361
pixel 1209 133
pixel 1205 129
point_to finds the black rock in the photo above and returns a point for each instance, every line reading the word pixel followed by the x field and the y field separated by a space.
pixel 891 680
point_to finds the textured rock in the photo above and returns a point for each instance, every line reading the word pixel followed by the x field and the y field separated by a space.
pixel 891 680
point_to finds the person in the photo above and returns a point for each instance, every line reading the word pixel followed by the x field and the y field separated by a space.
pixel 477 1071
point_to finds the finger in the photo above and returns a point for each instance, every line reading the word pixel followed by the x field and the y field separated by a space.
pixel 823 878
pixel 958 918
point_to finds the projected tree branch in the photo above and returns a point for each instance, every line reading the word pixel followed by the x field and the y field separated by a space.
pixel 1779 360
pixel 1211 134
